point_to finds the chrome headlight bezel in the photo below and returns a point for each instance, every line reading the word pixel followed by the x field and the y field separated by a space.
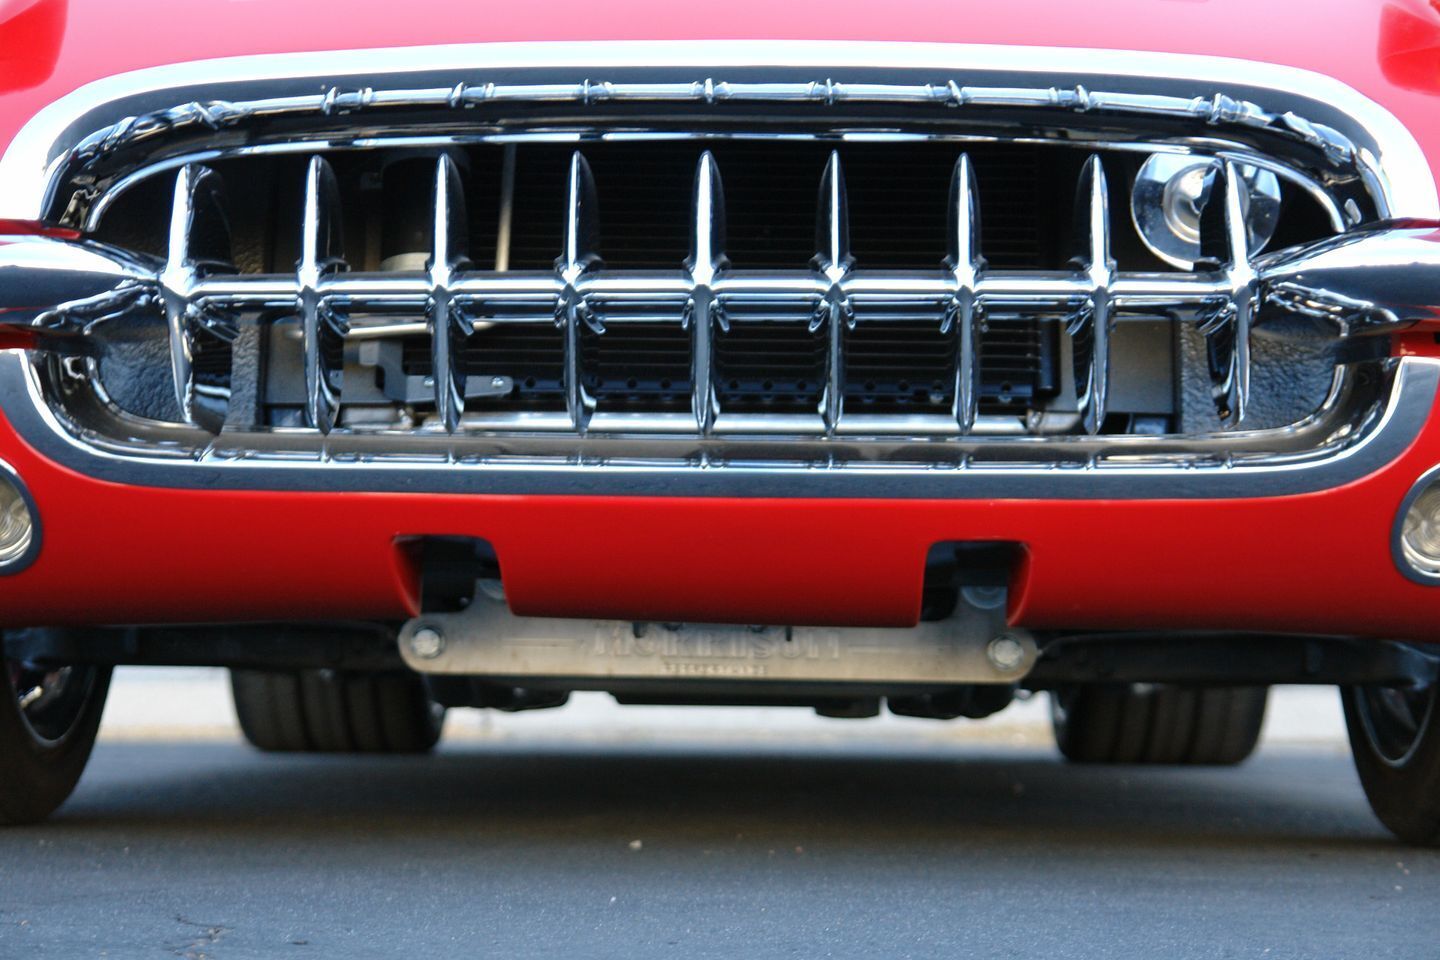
pixel 18 550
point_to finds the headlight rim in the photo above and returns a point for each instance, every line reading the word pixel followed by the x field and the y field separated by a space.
pixel 22 560
pixel 1414 567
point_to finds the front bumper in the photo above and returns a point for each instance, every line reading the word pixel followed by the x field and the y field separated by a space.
pixel 1310 559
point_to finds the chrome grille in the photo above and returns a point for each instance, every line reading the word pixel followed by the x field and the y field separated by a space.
pixel 855 359
pixel 729 334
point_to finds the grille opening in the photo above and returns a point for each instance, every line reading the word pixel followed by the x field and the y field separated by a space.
pixel 212 360
pixel 1019 358
pixel 897 200
pixel 897 204
pixel 763 366
pixel 899 367
pixel 531 354
pixel 640 367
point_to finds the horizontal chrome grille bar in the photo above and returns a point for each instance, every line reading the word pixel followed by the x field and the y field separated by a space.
pixel 380 293
pixel 1216 109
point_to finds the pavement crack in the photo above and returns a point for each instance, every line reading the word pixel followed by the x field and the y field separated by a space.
pixel 197 947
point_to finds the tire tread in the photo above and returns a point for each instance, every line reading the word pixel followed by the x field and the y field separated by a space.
pixel 1160 724
pixel 324 711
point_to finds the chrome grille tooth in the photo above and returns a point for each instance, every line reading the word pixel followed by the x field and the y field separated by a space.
pixel 707 260
pixel 833 262
pixel 1096 315
pixel 198 245
pixel 580 256
pixel 1224 239
pixel 322 326
pixel 447 321
pixel 966 264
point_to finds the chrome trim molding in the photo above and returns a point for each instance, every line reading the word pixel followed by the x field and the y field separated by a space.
pixel 1304 106
pixel 1219 476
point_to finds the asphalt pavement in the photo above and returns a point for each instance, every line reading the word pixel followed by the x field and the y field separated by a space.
pixel 664 833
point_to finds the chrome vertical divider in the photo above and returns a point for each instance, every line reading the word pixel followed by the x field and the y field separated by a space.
pixel 198 245
pixel 703 310
pixel 1225 241
pixel 1096 313
pixel 963 316
pixel 322 325
pixel 447 322
pixel 579 257
pixel 833 261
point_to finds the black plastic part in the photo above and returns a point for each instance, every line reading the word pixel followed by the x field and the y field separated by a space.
pixel 826 702
pixel 951 566
pixel 453 691
pixel 1231 660
pixel 449 569
pixel 974 702
pixel 338 646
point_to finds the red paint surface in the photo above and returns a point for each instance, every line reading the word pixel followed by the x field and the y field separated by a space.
pixel 1410 45
pixel 1319 562
pixel 1344 38
pixel 30 228
pixel 30 43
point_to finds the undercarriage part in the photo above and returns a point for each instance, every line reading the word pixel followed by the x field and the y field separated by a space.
pixel 328 711
pixel 1231 660
pixel 971 645
pixel 449 568
pixel 475 692
pixel 825 702
pixel 973 702
pixel 351 647
pixel 1157 723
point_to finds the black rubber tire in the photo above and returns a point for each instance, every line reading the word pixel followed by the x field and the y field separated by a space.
pixel 1403 789
pixel 1158 723
pixel 38 774
pixel 325 711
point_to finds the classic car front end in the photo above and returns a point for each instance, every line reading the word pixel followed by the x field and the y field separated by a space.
pixel 917 363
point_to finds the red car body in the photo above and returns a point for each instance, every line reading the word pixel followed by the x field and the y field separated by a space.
pixel 1313 562
pixel 270 397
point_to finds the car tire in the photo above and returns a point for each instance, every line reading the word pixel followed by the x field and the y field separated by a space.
pixel 1157 723
pixel 1395 740
pixel 48 722
pixel 326 711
